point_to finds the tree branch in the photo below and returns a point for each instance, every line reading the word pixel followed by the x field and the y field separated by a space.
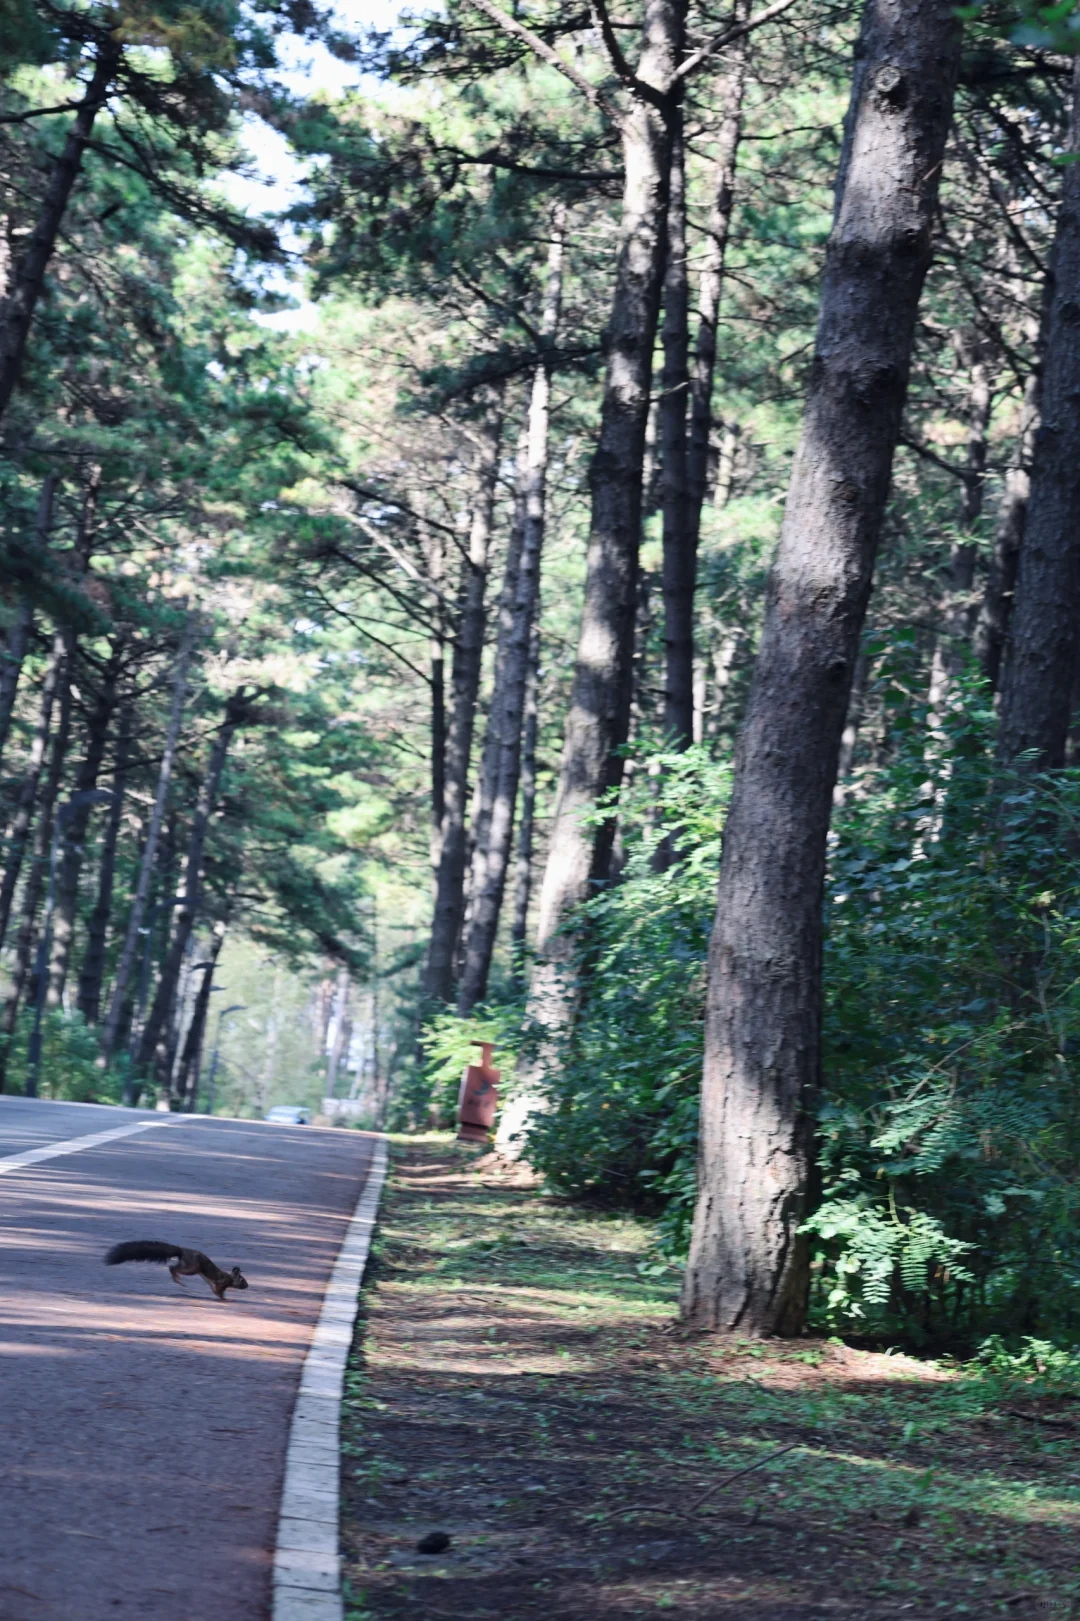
pixel 39 112
pixel 695 59
pixel 547 53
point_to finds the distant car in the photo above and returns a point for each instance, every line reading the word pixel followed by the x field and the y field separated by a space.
pixel 288 1114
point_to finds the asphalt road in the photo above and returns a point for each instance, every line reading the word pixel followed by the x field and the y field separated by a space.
pixel 143 1427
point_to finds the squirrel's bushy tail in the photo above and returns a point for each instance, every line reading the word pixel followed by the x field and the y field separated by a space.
pixel 141 1249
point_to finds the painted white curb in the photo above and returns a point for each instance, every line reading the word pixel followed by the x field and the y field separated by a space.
pixel 307 1564
pixel 72 1145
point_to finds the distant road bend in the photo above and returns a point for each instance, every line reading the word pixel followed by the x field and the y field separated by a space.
pixel 144 1427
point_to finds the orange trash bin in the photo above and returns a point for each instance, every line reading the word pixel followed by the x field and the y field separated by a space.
pixel 478 1098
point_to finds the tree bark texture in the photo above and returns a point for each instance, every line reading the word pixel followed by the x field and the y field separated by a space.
pixel 92 973
pixel 523 884
pixel 1040 656
pixel 19 830
pixel 126 962
pixel 487 776
pixel 18 309
pixel 711 281
pixel 18 642
pixel 186 1090
pixel 37 876
pixel 598 717
pixel 686 401
pixel 465 687
pixel 74 832
pixel 748 1266
pixel 679 546
pixel 187 900
pixel 492 858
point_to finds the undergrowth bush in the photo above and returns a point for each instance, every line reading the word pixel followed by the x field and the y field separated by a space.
pixel 950 1116
pixel 69 1061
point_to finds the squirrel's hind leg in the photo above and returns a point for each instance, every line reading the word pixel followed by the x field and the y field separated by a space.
pixel 174 1273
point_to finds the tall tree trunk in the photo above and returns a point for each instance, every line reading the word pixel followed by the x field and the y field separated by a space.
pixel 992 626
pixel 748 1266
pixel 74 831
pixel 18 309
pixel 488 775
pixel 711 283
pixel 596 725
pixel 523 886
pixel 342 1030
pixel 679 547
pixel 191 887
pixel 437 669
pixel 18 638
pixel 187 1079
pixel 689 394
pixel 92 974
pixel 1040 656
pixel 465 685
pixel 39 865
pixel 18 641
pixel 492 857
pixel 126 962
pixel 19 830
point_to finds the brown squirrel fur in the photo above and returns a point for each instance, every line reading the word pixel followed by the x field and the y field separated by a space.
pixel 189 1263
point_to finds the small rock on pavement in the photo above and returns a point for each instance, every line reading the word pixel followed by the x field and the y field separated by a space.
pixel 434 1542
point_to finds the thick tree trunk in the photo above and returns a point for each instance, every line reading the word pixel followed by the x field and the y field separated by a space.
pixel 74 832
pixel 465 685
pixel 992 626
pixel 38 874
pixel 19 830
pixel 596 725
pixel 111 1031
pixel 523 886
pixel 679 546
pixel 1040 657
pixel 492 857
pixel 18 309
pixel 92 974
pixel 187 900
pixel 599 715
pixel 748 1266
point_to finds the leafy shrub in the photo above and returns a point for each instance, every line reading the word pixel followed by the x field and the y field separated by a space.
pixel 450 1045
pixel 950 1135
pixel 950 1118
pixel 69 1061
pixel 622 1123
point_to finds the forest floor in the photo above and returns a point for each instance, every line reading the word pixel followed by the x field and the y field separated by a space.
pixel 520 1383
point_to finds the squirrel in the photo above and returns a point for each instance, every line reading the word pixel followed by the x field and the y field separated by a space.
pixel 188 1263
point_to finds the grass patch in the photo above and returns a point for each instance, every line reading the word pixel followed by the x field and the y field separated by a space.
pixel 520 1382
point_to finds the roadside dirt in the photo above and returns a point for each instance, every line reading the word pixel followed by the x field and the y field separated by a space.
pixel 520 1385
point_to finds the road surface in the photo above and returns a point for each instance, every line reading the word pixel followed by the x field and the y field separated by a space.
pixel 143 1427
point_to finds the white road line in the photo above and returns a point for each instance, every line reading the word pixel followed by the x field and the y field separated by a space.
pixel 72 1145
pixel 307 1563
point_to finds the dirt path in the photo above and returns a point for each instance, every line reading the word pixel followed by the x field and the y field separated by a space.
pixel 521 1386
pixel 144 1427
